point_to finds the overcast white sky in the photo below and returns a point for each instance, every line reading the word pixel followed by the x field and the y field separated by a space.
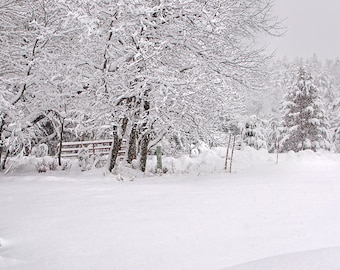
pixel 313 26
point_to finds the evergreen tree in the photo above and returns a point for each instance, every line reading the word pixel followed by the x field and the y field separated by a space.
pixel 304 122
pixel 254 133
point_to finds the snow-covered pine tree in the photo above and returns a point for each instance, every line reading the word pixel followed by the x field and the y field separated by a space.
pixel 335 124
pixel 304 122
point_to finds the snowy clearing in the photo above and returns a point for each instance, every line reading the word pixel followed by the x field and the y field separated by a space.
pixel 327 258
pixel 262 216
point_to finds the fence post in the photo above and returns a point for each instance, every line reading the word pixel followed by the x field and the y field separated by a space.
pixel 159 158
pixel 277 149
pixel 227 155
pixel 232 153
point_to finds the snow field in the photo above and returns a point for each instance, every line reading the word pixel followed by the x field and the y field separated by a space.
pixel 197 220
pixel 327 258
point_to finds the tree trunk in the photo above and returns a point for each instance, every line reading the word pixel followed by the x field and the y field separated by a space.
pixel 144 151
pixel 2 147
pixel 159 159
pixel 4 160
pixel 60 141
pixel 117 143
pixel 132 151
pixel 114 149
pixel 145 135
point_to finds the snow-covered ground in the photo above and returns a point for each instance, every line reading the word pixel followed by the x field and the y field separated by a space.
pixel 263 216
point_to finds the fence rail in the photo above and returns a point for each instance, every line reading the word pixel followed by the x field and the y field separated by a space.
pixel 100 147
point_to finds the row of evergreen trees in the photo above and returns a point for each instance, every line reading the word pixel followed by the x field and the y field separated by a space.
pixel 304 123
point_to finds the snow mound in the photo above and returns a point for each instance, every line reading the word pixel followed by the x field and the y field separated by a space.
pixel 206 161
pixel 321 259
pixel 212 160
pixel 6 262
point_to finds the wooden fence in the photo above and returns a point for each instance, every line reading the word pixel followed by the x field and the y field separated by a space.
pixel 100 147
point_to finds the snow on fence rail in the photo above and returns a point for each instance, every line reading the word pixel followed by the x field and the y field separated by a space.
pixel 100 147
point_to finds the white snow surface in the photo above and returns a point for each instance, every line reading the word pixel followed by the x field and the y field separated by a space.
pixel 327 258
pixel 262 216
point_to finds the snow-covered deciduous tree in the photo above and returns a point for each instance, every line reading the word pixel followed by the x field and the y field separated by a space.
pixel 38 40
pixel 143 69
pixel 16 59
pixel 163 65
pixel 304 121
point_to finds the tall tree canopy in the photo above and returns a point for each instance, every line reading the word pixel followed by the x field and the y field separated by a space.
pixel 141 68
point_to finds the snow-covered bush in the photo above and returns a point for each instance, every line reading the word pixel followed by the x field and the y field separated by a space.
pixel 53 165
pixel 86 162
pixel 198 148
pixel 46 164
pixel 254 133
pixel 41 166
pixel 66 165
pixel 40 150
pixel 273 136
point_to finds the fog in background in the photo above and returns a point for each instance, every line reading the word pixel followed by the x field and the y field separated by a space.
pixel 311 27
